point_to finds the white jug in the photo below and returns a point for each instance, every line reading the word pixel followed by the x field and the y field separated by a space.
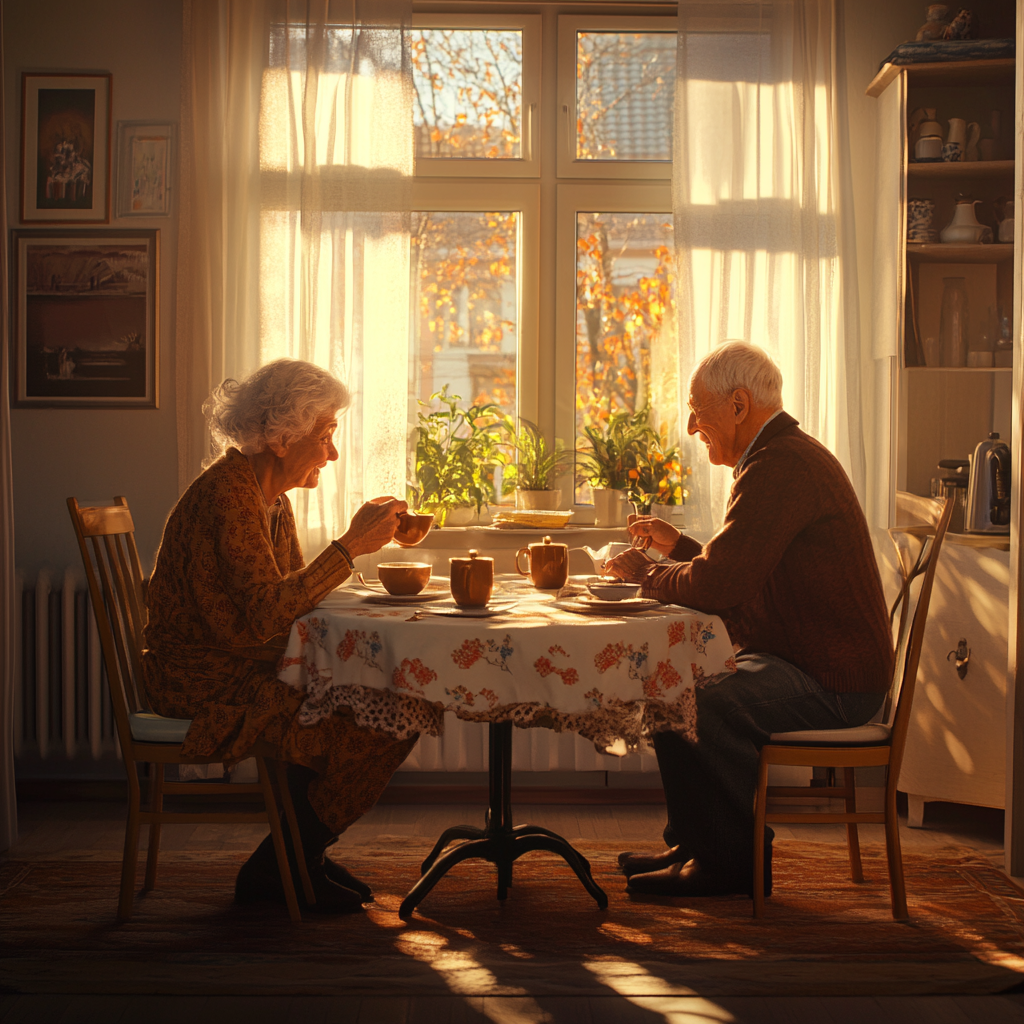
pixel 957 131
pixel 964 228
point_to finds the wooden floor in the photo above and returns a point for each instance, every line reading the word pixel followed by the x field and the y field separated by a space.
pixel 95 831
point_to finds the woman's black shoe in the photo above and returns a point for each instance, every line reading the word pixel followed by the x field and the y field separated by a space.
pixel 259 881
pixel 340 875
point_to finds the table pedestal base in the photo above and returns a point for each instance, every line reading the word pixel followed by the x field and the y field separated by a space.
pixel 499 841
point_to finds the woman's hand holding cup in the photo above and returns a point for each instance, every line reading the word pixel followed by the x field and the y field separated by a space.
pixel 373 525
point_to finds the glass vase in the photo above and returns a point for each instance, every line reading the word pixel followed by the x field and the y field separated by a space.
pixel 953 322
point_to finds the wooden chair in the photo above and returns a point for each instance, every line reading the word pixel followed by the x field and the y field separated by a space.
pixel 873 744
pixel 106 537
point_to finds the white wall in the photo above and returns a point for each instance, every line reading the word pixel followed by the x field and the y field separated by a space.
pixel 96 454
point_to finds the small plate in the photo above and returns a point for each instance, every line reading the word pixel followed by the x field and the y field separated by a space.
pixel 586 604
pixel 483 612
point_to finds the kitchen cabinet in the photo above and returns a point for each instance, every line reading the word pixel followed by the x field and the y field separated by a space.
pixel 956 744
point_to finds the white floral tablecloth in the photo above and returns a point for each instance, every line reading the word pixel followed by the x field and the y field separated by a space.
pixel 615 679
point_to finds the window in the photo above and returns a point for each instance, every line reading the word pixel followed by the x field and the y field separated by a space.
pixel 477 92
pixel 466 310
pixel 565 325
pixel 616 82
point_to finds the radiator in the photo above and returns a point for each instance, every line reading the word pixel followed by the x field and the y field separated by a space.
pixel 62 706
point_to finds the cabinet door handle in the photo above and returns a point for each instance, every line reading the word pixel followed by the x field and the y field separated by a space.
pixel 961 656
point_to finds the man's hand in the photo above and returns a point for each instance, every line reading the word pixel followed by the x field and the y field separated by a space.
pixel 663 536
pixel 631 566
pixel 373 525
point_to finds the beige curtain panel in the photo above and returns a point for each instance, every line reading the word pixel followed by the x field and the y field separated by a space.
pixel 758 204
pixel 298 161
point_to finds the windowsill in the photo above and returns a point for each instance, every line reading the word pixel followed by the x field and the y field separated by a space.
pixel 489 537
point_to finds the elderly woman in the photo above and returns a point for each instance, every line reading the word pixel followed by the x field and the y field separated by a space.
pixel 229 581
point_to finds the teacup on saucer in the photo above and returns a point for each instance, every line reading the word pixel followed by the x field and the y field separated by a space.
pixel 608 590
pixel 399 578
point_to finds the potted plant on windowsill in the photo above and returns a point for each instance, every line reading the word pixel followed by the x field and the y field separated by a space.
pixel 532 466
pixel 609 461
pixel 658 485
pixel 456 452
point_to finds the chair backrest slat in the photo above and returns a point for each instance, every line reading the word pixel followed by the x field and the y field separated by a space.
pixel 114 572
pixel 912 639
pixel 116 589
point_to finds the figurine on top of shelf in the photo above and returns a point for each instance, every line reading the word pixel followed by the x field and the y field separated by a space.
pixel 961 26
pixel 935 26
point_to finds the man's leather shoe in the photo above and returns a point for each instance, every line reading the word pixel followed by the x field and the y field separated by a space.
pixel 643 863
pixel 690 879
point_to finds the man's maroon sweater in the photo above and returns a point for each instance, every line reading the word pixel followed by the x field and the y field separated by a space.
pixel 792 571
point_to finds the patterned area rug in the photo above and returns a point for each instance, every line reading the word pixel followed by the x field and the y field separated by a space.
pixel 822 935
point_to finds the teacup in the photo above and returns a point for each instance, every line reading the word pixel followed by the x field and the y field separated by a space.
pixel 612 590
pixel 952 152
pixel 412 528
pixel 402 578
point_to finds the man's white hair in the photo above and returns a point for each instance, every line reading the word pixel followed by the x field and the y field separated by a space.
pixel 278 403
pixel 735 364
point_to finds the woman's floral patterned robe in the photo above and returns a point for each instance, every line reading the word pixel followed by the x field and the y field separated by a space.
pixel 228 583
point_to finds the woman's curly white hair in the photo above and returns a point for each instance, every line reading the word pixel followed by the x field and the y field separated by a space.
pixel 277 404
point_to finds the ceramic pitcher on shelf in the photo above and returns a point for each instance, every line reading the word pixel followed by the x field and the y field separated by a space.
pixel 964 228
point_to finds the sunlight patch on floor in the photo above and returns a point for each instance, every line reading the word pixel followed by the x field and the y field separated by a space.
pixel 464 976
pixel 651 993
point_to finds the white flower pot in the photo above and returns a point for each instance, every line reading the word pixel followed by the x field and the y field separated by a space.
pixel 610 507
pixel 461 517
pixel 547 501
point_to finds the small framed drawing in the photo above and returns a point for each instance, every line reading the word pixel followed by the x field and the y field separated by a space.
pixel 84 318
pixel 144 154
pixel 65 148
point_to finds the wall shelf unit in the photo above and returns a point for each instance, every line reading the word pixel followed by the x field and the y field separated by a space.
pixel 942 412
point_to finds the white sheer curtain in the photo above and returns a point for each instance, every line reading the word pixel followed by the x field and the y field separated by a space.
pixel 302 159
pixel 756 204
pixel 8 595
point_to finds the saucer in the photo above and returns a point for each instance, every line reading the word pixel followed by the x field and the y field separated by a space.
pixel 482 612
pixel 586 604
pixel 423 595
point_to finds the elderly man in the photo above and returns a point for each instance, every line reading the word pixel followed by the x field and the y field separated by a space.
pixel 793 576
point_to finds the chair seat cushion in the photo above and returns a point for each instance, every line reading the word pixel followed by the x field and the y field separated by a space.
pixel 874 734
pixel 149 728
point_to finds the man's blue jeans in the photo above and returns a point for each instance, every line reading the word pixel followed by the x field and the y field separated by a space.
pixel 709 785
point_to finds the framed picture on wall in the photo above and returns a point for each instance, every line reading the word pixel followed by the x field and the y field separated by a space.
pixel 144 164
pixel 84 318
pixel 65 148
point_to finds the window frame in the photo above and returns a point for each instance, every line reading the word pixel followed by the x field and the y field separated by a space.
pixel 569 166
pixel 572 199
pixel 528 166
pixel 524 198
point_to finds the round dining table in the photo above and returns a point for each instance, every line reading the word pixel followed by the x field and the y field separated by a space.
pixel 533 659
